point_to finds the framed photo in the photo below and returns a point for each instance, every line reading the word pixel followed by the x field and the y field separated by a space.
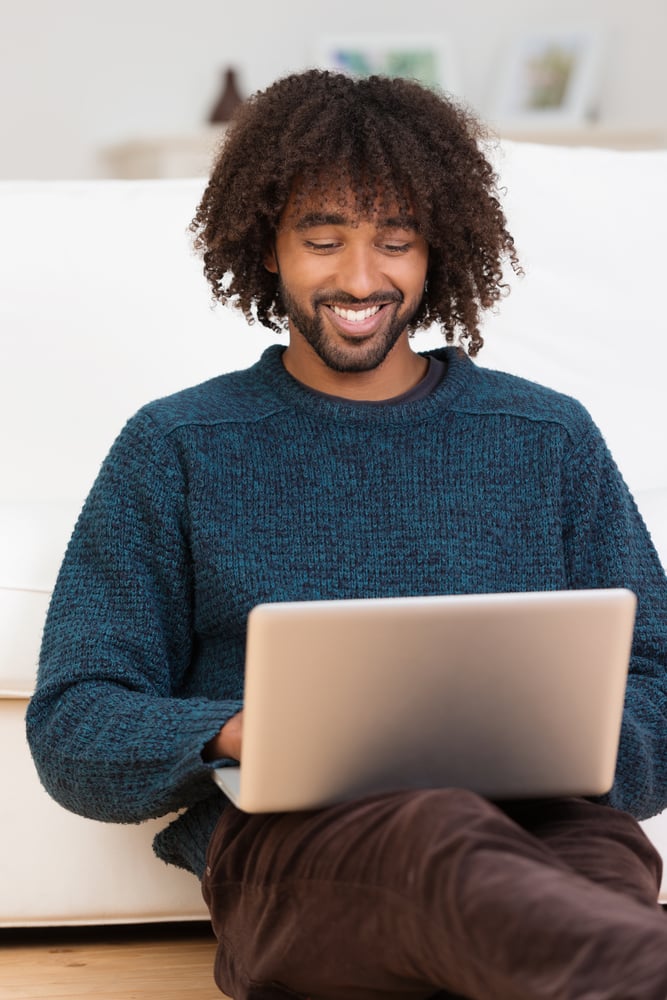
pixel 550 77
pixel 426 58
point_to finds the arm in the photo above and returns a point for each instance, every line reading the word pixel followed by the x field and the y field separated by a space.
pixel 607 545
pixel 110 735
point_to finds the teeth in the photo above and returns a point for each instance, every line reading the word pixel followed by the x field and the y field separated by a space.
pixel 356 316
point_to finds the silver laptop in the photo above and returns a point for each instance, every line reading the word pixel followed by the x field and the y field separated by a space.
pixel 510 695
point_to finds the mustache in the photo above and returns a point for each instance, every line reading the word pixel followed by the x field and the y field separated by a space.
pixel 345 299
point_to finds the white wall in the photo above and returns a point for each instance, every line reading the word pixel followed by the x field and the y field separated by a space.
pixel 76 75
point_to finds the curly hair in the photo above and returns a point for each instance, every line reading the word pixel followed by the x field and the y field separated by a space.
pixel 389 141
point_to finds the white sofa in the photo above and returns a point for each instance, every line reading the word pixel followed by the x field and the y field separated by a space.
pixel 103 306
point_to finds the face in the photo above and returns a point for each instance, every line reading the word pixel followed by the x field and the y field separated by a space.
pixel 350 285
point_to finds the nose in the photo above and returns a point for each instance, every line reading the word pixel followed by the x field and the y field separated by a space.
pixel 359 272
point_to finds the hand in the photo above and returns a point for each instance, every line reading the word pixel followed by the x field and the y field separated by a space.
pixel 227 743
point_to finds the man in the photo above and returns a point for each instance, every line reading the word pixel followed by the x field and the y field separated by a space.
pixel 349 465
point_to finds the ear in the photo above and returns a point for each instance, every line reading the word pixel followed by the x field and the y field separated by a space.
pixel 271 261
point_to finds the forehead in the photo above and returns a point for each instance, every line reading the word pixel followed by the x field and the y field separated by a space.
pixel 339 203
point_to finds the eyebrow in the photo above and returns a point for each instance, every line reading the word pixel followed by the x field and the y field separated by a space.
pixel 313 219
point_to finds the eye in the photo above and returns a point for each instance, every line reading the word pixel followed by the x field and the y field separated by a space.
pixel 396 248
pixel 321 247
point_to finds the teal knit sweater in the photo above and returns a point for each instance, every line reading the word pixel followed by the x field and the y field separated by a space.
pixel 252 488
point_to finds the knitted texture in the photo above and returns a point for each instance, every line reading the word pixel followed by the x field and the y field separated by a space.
pixel 251 488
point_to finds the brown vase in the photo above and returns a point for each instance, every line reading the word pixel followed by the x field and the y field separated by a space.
pixel 229 99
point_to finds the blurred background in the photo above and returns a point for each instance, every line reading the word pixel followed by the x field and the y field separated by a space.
pixel 91 89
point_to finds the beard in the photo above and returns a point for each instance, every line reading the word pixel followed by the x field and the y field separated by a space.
pixel 361 355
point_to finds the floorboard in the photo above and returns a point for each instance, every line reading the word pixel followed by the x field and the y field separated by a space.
pixel 141 962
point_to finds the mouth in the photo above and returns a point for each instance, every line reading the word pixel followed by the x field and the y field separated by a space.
pixel 357 322
pixel 355 315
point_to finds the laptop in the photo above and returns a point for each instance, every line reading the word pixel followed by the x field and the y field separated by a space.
pixel 510 695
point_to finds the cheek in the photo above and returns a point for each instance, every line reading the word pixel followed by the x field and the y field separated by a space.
pixel 307 277
pixel 412 280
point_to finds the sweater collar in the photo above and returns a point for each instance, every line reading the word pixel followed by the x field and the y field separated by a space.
pixel 460 370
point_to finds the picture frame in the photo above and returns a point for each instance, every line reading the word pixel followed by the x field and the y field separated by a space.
pixel 426 58
pixel 550 77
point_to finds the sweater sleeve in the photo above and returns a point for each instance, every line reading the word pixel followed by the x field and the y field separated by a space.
pixel 607 545
pixel 110 737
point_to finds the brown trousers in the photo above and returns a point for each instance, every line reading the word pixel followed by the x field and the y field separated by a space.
pixel 433 893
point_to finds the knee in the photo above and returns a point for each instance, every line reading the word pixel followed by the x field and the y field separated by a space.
pixel 425 821
pixel 451 805
pixel 429 837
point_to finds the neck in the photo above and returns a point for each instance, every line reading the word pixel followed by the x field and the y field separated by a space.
pixel 400 371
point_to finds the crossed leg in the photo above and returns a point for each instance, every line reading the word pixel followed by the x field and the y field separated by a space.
pixel 411 893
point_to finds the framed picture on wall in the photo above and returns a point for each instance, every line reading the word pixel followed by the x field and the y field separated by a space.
pixel 550 77
pixel 427 58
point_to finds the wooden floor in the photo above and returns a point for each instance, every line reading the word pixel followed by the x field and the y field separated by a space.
pixel 156 962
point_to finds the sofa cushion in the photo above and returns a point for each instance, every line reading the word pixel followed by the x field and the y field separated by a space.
pixel 587 316
pixel 119 314
pixel 33 538
pixel 22 614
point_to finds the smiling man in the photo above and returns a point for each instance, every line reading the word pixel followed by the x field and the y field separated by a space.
pixel 345 465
